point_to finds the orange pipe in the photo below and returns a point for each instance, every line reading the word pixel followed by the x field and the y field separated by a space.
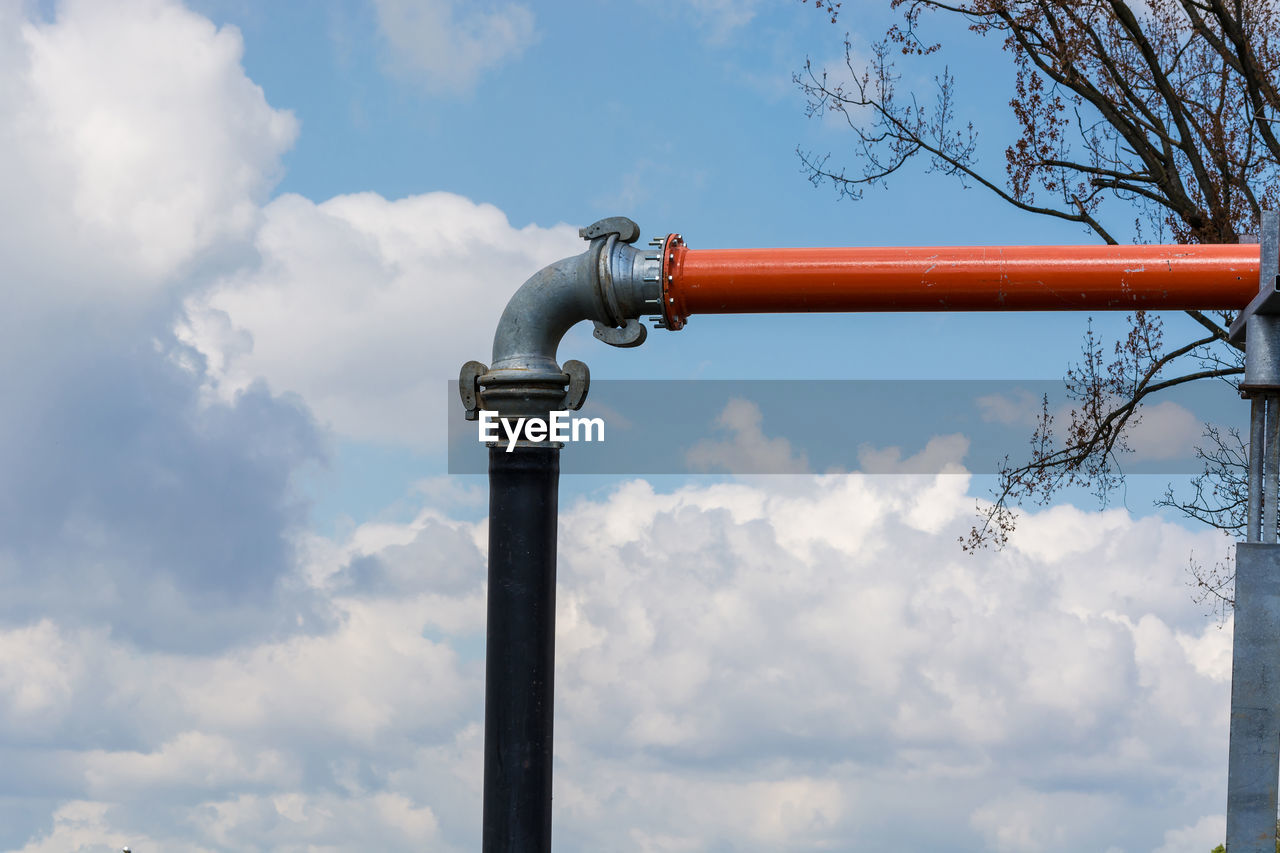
pixel 963 278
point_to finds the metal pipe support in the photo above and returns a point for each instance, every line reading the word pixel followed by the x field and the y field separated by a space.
pixel 613 285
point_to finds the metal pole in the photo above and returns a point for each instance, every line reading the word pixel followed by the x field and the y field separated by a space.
pixel 1253 764
pixel 1254 758
pixel 1270 469
pixel 1257 433
pixel 520 658
pixel 612 284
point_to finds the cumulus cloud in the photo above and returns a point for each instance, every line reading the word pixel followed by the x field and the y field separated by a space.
pixel 134 141
pixel 1160 431
pixel 1017 408
pixel 448 45
pixel 798 661
pixel 719 20
pixel 367 307
pixel 866 645
pixel 942 454
pixel 747 450
pixel 137 155
pixel 1205 834
pixel 276 745
pixel 1164 431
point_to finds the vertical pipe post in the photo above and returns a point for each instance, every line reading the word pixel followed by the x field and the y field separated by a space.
pixel 1253 767
pixel 520 654
pixel 611 284
pixel 1271 470
pixel 1254 760
pixel 1257 432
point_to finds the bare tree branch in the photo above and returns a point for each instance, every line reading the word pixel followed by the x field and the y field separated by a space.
pixel 1164 108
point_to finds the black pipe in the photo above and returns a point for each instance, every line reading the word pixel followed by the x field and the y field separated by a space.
pixel 520 656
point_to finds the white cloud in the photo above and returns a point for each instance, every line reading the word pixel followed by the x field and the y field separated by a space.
pixel 1035 822
pixel 1019 408
pixel 1165 430
pixel 296 821
pixel 1205 834
pixel 448 45
pixel 747 450
pixel 135 142
pixel 137 153
pixel 724 17
pixel 192 759
pixel 742 638
pixel 366 307
pixel 793 661
pixel 36 673
pixel 269 746
pixel 82 826
pixel 942 454
pixel 860 638
pixel 719 20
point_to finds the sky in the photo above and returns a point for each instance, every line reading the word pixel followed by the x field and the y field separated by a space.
pixel 246 248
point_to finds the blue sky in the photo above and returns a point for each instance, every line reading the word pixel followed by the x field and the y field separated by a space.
pixel 247 245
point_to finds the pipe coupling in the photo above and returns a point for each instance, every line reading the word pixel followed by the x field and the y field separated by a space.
pixel 613 284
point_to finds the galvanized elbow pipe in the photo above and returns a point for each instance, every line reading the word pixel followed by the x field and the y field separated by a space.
pixel 612 283
pixel 545 307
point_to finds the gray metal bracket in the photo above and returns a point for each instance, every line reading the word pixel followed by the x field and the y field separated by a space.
pixel 1267 302
pixel 627 231
pixel 632 334
pixel 579 381
pixel 469 387
pixel 1261 384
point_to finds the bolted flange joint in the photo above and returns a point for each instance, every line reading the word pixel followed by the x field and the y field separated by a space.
pixel 528 393
pixel 523 394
